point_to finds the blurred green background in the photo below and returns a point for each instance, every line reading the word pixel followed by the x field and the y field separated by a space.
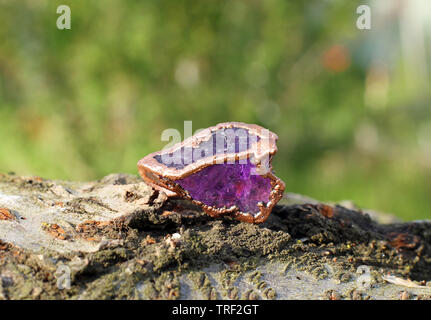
pixel 351 107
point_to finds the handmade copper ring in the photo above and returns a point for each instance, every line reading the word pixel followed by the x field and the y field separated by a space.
pixel 225 169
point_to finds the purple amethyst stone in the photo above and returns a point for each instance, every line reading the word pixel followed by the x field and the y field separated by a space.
pixel 227 185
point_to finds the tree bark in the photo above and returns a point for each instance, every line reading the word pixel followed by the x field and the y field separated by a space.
pixel 117 238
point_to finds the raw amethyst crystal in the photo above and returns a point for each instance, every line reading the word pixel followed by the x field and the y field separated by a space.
pixel 227 185
pixel 226 169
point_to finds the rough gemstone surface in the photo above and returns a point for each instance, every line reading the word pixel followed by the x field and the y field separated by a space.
pixel 226 185
pixel 227 140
